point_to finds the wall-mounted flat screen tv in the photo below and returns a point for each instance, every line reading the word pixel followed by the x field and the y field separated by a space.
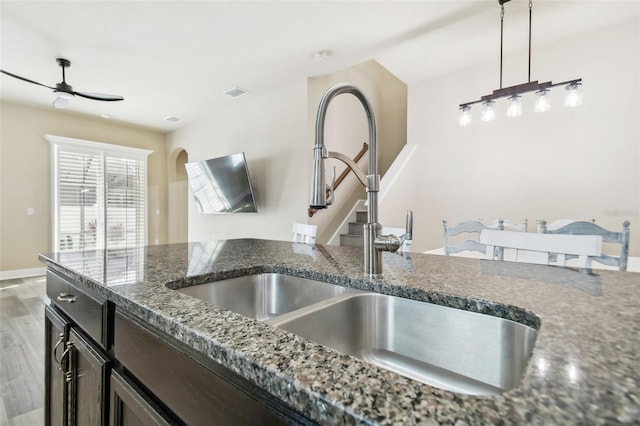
pixel 222 185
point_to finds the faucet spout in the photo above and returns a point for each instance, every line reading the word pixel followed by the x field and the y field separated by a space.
pixel 374 242
pixel 320 152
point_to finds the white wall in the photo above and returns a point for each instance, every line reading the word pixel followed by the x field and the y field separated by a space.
pixel 271 130
pixel 578 163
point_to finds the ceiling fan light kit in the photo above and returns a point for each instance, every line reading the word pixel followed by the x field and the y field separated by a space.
pixel 514 93
pixel 63 91
pixel 61 101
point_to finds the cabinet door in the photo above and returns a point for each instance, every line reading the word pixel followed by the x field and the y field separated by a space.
pixel 129 407
pixel 87 381
pixel 56 334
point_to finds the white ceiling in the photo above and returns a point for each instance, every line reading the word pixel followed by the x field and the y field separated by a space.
pixel 176 58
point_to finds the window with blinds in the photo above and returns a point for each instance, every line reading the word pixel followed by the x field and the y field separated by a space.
pixel 99 195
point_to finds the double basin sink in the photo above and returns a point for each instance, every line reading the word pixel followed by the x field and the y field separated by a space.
pixel 444 347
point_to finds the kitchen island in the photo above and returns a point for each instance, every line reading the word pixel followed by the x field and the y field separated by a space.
pixel 585 366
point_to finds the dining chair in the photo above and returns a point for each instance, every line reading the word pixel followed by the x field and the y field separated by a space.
pixel 589 228
pixel 539 248
pixel 304 233
pixel 475 227
pixel 508 225
pixel 466 227
pixel 556 224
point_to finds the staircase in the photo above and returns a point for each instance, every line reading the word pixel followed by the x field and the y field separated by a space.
pixel 355 237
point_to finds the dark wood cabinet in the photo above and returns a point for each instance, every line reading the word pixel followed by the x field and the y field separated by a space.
pixel 87 382
pixel 55 394
pixel 76 363
pixel 104 368
pixel 131 407
pixel 77 371
pixel 196 394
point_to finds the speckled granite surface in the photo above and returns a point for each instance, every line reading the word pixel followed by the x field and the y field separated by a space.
pixel 585 368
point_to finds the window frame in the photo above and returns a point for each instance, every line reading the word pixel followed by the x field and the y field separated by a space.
pixel 104 150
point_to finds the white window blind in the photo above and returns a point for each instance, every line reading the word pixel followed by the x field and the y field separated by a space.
pixel 99 195
pixel 125 202
pixel 79 190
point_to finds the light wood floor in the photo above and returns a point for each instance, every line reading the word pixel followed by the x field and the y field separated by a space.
pixel 22 303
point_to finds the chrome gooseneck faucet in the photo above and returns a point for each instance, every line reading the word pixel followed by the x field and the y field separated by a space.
pixel 374 242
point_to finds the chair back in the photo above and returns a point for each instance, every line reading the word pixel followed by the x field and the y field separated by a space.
pixel 590 228
pixel 304 233
pixel 468 226
pixel 475 227
pixel 543 226
pixel 508 225
pixel 538 248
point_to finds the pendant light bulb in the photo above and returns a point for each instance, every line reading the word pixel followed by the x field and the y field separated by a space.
pixel 514 109
pixel 542 101
pixel 488 111
pixel 464 119
pixel 573 97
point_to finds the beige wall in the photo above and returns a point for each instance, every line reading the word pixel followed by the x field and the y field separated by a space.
pixel 579 163
pixel 346 129
pixel 25 176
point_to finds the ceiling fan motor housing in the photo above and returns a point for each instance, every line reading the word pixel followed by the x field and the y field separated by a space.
pixel 64 88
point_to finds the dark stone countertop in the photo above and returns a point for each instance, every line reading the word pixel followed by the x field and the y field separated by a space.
pixel 585 367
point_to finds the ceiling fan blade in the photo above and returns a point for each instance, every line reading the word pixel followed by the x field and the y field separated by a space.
pixel 99 96
pixel 26 79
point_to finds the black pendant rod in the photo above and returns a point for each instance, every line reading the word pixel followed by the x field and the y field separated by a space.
pixel 529 75
pixel 518 89
pixel 501 38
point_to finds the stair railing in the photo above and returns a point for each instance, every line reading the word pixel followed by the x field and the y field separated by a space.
pixel 344 174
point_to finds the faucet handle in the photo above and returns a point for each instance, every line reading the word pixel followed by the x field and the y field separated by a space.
pixel 407 238
pixel 330 197
pixel 409 227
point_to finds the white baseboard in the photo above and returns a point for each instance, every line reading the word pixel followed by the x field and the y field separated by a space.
pixel 22 273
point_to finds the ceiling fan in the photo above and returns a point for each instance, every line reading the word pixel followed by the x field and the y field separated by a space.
pixel 64 91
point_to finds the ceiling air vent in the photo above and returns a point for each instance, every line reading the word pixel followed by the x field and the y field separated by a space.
pixel 173 119
pixel 235 92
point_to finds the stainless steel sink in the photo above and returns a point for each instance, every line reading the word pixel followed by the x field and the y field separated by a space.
pixel 264 296
pixel 444 347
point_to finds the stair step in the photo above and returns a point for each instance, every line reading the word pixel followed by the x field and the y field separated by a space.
pixel 351 240
pixel 356 228
pixel 361 216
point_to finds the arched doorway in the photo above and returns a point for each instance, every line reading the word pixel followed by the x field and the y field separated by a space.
pixel 178 197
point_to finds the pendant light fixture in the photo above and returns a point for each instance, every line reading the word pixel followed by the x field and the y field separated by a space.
pixel 573 96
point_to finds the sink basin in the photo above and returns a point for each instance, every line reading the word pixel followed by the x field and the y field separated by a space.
pixel 264 296
pixel 444 347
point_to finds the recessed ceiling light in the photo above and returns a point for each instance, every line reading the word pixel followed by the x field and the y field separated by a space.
pixel 235 92
pixel 173 119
